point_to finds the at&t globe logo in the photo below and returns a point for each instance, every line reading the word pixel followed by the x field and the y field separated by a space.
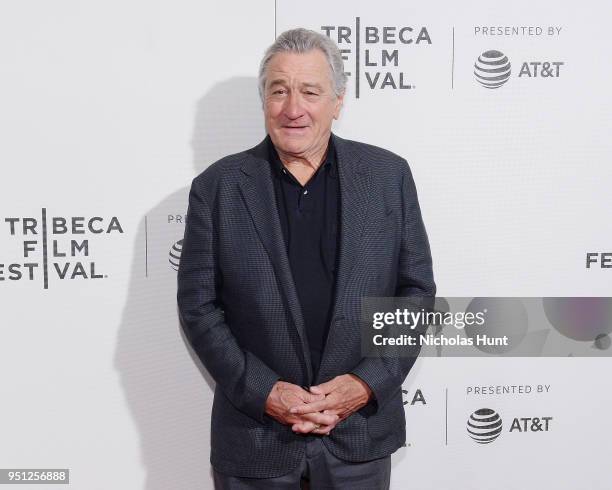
pixel 174 257
pixel 484 425
pixel 492 69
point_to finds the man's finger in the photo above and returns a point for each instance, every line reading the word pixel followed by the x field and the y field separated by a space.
pixel 313 397
pixel 323 431
pixel 305 427
pixel 333 411
pixel 317 406
pixel 324 388
pixel 311 427
pixel 321 418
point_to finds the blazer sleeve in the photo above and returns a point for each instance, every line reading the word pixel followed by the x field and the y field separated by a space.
pixel 385 374
pixel 242 376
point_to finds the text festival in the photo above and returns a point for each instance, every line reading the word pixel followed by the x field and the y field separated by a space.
pixel 45 236
pixel 372 37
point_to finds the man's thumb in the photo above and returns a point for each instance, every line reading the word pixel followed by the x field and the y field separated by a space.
pixel 321 389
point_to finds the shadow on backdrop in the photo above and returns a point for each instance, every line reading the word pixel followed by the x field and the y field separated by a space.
pixel 160 375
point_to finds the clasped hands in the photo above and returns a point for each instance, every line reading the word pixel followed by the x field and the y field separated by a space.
pixel 319 410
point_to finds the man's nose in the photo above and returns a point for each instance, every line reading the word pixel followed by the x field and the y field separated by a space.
pixel 293 105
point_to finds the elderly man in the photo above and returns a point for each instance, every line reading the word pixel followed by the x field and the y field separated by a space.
pixel 282 241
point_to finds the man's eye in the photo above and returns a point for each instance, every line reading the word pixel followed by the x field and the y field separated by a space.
pixel 311 93
pixel 279 91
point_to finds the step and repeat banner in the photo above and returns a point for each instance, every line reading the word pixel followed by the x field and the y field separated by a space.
pixel 108 110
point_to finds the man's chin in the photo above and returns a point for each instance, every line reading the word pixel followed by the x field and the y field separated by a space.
pixel 293 146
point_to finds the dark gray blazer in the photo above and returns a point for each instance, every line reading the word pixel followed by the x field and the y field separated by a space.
pixel 240 312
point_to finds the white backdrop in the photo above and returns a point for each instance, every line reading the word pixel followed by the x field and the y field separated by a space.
pixel 108 110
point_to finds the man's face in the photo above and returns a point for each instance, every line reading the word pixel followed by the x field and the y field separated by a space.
pixel 299 102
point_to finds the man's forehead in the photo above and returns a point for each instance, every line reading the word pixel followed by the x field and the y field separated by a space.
pixel 307 82
pixel 312 66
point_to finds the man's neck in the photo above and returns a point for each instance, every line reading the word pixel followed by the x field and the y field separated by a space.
pixel 303 167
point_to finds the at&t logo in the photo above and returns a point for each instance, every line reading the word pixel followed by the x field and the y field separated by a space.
pixel 174 256
pixel 492 69
pixel 484 426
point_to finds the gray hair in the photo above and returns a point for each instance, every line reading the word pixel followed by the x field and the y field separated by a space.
pixel 301 41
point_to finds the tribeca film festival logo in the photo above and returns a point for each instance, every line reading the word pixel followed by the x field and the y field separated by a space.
pixel 55 247
pixel 493 69
pixel 603 260
pixel 376 50
pixel 485 425
pixel 417 397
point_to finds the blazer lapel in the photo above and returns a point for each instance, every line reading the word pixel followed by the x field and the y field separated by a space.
pixel 354 198
pixel 257 190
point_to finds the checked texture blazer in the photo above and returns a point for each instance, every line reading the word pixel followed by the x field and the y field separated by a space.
pixel 239 308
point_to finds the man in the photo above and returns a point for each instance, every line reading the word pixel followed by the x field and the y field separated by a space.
pixel 282 241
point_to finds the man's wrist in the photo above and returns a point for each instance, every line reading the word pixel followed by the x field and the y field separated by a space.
pixel 365 386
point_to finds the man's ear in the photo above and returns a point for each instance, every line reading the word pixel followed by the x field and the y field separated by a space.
pixel 338 105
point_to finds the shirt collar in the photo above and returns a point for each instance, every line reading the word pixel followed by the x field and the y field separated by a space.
pixel 330 161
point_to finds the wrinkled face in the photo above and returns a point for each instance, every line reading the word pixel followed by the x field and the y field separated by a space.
pixel 299 102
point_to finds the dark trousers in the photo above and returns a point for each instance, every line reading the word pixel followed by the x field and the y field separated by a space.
pixel 319 470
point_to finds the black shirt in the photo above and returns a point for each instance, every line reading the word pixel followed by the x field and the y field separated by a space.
pixel 309 221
